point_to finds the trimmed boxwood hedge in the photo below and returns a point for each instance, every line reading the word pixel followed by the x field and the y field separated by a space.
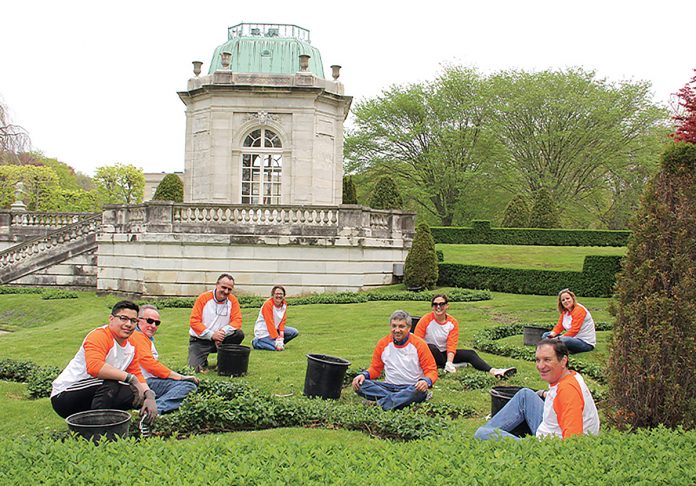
pixel 481 233
pixel 596 279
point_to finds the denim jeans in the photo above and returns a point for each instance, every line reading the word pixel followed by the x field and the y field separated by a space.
pixel 390 396
pixel 170 393
pixel 524 406
pixel 573 344
pixel 268 343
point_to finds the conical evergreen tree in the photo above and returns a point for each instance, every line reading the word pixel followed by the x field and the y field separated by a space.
pixel 386 195
pixel 544 212
pixel 516 213
pixel 170 188
pixel 349 194
pixel 652 366
pixel 420 270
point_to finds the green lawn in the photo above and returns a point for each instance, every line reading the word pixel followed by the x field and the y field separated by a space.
pixel 533 257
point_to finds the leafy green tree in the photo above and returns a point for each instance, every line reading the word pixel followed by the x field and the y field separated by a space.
pixel 40 186
pixel 420 269
pixel 386 195
pixel 349 194
pixel 653 351
pixel 517 213
pixel 544 211
pixel 120 184
pixel 170 188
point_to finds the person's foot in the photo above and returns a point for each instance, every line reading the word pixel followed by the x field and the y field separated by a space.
pixel 429 395
pixel 463 364
pixel 502 373
pixel 369 403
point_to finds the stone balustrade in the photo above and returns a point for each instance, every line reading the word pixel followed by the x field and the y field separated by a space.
pixel 46 219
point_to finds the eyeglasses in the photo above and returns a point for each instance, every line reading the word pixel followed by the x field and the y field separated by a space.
pixel 124 319
pixel 150 320
pixel 439 304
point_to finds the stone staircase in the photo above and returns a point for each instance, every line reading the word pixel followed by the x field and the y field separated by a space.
pixel 57 246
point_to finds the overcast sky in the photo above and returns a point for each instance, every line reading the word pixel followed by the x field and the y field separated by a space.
pixel 94 83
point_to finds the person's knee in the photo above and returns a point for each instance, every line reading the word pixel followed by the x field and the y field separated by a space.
pixel 482 433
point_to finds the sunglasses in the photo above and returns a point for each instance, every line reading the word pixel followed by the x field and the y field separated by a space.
pixel 439 304
pixel 150 320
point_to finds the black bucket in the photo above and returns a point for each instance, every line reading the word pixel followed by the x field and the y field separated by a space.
pixel 94 424
pixel 414 322
pixel 500 395
pixel 233 360
pixel 324 376
pixel 532 335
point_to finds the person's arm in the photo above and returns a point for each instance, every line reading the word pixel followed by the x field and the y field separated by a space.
pixel 281 325
pixel 267 313
pixel 568 405
pixel 377 365
pixel 196 319
pixel 422 326
pixel 143 352
pixel 452 340
pixel 558 328
pixel 577 318
pixel 427 363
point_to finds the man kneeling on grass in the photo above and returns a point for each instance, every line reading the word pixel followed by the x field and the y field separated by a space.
pixel 565 409
pixel 409 368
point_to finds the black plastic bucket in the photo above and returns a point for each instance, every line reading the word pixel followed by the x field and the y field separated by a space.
pixel 94 424
pixel 500 395
pixel 233 360
pixel 414 321
pixel 324 376
pixel 532 335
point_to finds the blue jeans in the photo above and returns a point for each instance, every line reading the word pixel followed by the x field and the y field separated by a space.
pixel 170 393
pixel 524 406
pixel 389 396
pixel 268 343
pixel 573 344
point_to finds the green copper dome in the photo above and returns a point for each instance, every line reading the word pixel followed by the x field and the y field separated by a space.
pixel 267 48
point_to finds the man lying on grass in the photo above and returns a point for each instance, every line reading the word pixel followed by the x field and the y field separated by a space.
pixel 409 368
pixel 565 409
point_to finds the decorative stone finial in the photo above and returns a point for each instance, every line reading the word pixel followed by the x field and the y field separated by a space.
pixel 304 62
pixel 19 205
pixel 225 58
pixel 335 71
pixel 197 67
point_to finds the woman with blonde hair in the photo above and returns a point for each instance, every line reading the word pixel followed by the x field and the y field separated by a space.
pixel 575 323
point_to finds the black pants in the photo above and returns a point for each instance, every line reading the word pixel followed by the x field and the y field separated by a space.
pixel 110 394
pixel 460 356
pixel 199 349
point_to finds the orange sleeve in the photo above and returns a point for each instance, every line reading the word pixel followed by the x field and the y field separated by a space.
pixel 267 313
pixel 145 358
pixel 377 364
pixel 281 326
pixel 427 362
pixel 558 328
pixel 422 325
pixel 577 318
pixel 134 369
pixel 453 336
pixel 235 313
pixel 97 345
pixel 196 320
pixel 568 406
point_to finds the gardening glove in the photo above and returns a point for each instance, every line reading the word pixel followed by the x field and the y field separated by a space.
pixel 132 381
pixel 192 379
pixel 149 407
pixel 279 344
pixel 449 368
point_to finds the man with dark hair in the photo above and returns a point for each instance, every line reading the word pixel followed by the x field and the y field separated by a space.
pixel 564 410
pixel 105 372
pixel 171 387
pixel 409 368
pixel 216 319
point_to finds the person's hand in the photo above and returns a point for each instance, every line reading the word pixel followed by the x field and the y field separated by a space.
pixel 552 335
pixel 149 406
pixel 541 394
pixel 218 336
pixel 422 386
pixel 449 368
pixel 357 381
pixel 134 385
pixel 190 378
pixel 279 344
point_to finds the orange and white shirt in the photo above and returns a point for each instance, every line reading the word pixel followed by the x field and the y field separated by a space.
pixel 578 324
pixel 98 348
pixel 208 315
pixel 403 364
pixel 569 409
pixel 148 357
pixel 271 320
pixel 444 336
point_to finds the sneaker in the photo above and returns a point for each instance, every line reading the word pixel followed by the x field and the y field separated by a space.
pixel 502 373
pixel 429 396
pixel 369 403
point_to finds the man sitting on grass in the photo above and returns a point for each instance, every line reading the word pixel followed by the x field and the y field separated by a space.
pixel 409 368
pixel 568 408
pixel 171 387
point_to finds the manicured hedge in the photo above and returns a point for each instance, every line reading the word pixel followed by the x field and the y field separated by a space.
pixel 596 280
pixel 481 233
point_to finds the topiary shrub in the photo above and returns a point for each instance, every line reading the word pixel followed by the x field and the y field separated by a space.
pixel 516 213
pixel 420 269
pixel 652 379
pixel 170 188
pixel 544 211
pixel 386 195
pixel 350 196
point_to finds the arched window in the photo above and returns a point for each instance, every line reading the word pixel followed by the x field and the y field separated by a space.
pixel 262 167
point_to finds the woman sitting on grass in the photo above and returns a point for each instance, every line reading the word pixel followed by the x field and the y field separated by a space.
pixel 576 320
pixel 441 331
pixel 270 331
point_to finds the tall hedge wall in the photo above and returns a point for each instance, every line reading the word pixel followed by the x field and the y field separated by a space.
pixel 481 233
pixel 596 279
